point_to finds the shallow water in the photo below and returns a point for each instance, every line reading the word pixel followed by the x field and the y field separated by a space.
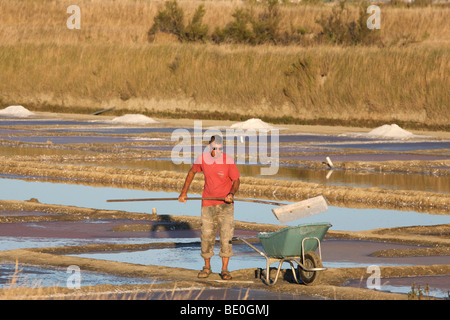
pixel 29 276
pixel 304 145
pixel 244 257
pixel 348 219
pixel 365 179
pixel 395 146
pixel 12 243
pixel 368 157
pixel 188 255
pixel 438 285
pixel 323 141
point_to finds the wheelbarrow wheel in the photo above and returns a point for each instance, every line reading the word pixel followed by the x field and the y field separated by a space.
pixel 312 260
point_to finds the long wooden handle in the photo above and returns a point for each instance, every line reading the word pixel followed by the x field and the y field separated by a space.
pixel 198 198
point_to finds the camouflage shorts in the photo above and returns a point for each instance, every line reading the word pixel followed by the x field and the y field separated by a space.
pixel 217 217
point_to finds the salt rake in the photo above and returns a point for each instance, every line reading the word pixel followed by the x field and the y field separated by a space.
pixel 285 212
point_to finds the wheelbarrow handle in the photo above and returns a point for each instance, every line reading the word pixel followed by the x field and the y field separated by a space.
pixel 253 247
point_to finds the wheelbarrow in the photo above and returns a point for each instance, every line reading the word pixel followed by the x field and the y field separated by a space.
pixel 294 244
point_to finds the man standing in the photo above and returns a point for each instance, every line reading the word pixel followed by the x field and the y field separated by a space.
pixel 221 181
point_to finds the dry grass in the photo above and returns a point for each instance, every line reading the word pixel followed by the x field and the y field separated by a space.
pixel 127 21
pixel 110 62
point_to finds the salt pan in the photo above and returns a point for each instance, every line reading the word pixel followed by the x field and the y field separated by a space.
pixel 16 111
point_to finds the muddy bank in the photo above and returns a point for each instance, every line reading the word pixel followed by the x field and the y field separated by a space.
pixel 434 167
pixel 70 213
pixel 433 162
pixel 398 235
pixel 412 252
pixel 437 235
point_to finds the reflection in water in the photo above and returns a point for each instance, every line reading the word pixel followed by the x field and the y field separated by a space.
pixel 398 181
pixel 365 179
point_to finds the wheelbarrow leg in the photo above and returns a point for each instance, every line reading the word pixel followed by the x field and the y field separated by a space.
pixel 271 261
pixel 294 272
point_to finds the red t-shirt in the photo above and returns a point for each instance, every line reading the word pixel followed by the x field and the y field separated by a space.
pixel 219 176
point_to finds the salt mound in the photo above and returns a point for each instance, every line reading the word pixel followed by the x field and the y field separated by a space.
pixel 252 124
pixel 390 131
pixel 134 119
pixel 16 111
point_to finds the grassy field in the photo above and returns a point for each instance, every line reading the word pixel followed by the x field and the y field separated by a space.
pixel 402 78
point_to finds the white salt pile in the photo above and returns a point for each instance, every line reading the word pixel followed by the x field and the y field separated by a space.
pixel 16 111
pixel 252 124
pixel 390 131
pixel 134 119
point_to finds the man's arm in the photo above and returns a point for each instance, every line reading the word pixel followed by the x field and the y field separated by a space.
pixel 190 176
pixel 233 190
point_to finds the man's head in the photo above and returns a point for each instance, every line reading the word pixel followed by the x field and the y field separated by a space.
pixel 216 146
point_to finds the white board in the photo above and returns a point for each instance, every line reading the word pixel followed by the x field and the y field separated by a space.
pixel 301 209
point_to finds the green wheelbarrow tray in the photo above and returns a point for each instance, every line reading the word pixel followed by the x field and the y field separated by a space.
pixel 294 244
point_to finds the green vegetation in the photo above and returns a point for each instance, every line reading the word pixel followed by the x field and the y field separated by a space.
pixel 170 20
pixel 339 29
pixel 250 27
pixel 418 293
